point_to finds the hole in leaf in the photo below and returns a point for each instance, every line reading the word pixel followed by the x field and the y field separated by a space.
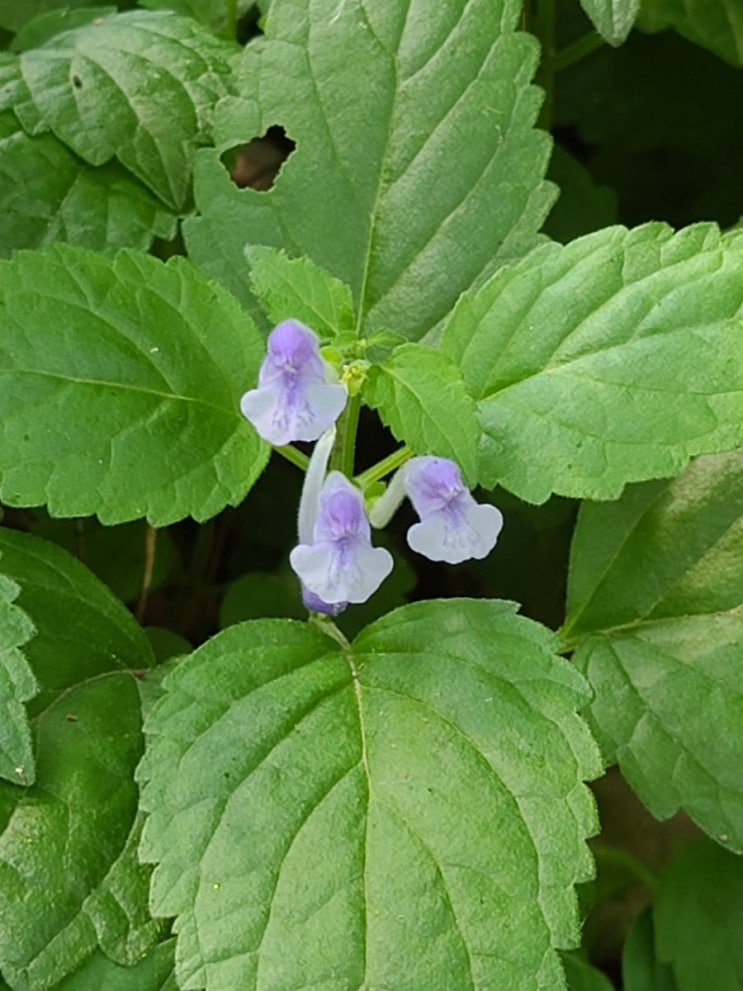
pixel 257 163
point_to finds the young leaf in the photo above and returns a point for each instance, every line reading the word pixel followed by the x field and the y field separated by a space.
pixel 297 288
pixel 698 914
pixel 139 87
pixel 404 813
pixel 69 877
pixel 419 394
pixel 17 685
pixel 49 194
pixel 612 359
pixel 714 24
pixel 613 19
pixel 390 198
pixel 120 387
pixel 656 582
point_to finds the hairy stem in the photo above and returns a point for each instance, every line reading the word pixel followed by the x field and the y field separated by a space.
pixel 294 456
pixel 383 467
pixel 344 452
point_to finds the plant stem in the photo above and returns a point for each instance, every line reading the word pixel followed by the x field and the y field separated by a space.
pixel 577 50
pixel 544 28
pixel 294 456
pixel 617 857
pixel 150 545
pixel 344 452
pixel 383 467
pixel 230 27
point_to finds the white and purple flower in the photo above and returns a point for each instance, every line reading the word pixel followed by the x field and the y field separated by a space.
pixel 453 527
pixel 335 560
pixel 295 399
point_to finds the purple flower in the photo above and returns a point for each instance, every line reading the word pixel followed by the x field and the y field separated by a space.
pixel 338 564
pixel 453 527
pixel 294 400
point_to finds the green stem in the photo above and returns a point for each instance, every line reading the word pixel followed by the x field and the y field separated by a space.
pixel 544 28
pixel 614 856
pixel 344 452
pixel 230 28
pixel 326 624
pixel 294 456
pixel 383 467
pixel 578 50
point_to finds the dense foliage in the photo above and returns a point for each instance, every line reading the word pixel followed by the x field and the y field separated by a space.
pixel 292 321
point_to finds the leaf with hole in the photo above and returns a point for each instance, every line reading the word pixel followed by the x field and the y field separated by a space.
pixel 406 812
pixel 389 199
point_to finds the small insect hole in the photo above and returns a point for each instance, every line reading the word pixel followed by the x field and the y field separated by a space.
pixel 77 82
pixel 257 163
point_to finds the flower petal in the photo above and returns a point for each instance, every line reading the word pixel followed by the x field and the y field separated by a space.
pixel 344 571
pixel 293 400
pixel 444 537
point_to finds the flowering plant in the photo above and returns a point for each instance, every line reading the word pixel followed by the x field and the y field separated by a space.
pixel 371 568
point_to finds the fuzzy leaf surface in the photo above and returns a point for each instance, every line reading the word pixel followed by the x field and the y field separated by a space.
pixel 612 359
pixel 714 24
pixel 613 19
pixel 698 913
pixel 139 87
pixel 69 877
pixel 120 384
pixel 49 194
pixel 296 287
pixel 409 814
pixel 654 598
pixel 17 685
pixel 14 16
pixel 389 199
pixel 419 394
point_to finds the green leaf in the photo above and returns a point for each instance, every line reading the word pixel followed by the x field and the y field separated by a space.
pixel 38 31
pixel 391 198
pixel 49 194
pixel 581 976
pixel 404 813
pixel 98 973
pixel 78 885
pixel 14 15
pixel 714 24
pixel 211 12
pixel 296 287
pixel 654 593
pixel 608 360
pixel 17 685
pixel 641 969
pixel 139 87
pixel 613 19
pixel 120 387
pixel 698 915
pixel 419 394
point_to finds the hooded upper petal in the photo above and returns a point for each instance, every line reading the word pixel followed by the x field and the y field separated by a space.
pixel 294 400
pixel 340 565
pixel 453 526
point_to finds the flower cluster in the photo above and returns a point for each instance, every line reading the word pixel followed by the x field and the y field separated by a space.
pixel 298 399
